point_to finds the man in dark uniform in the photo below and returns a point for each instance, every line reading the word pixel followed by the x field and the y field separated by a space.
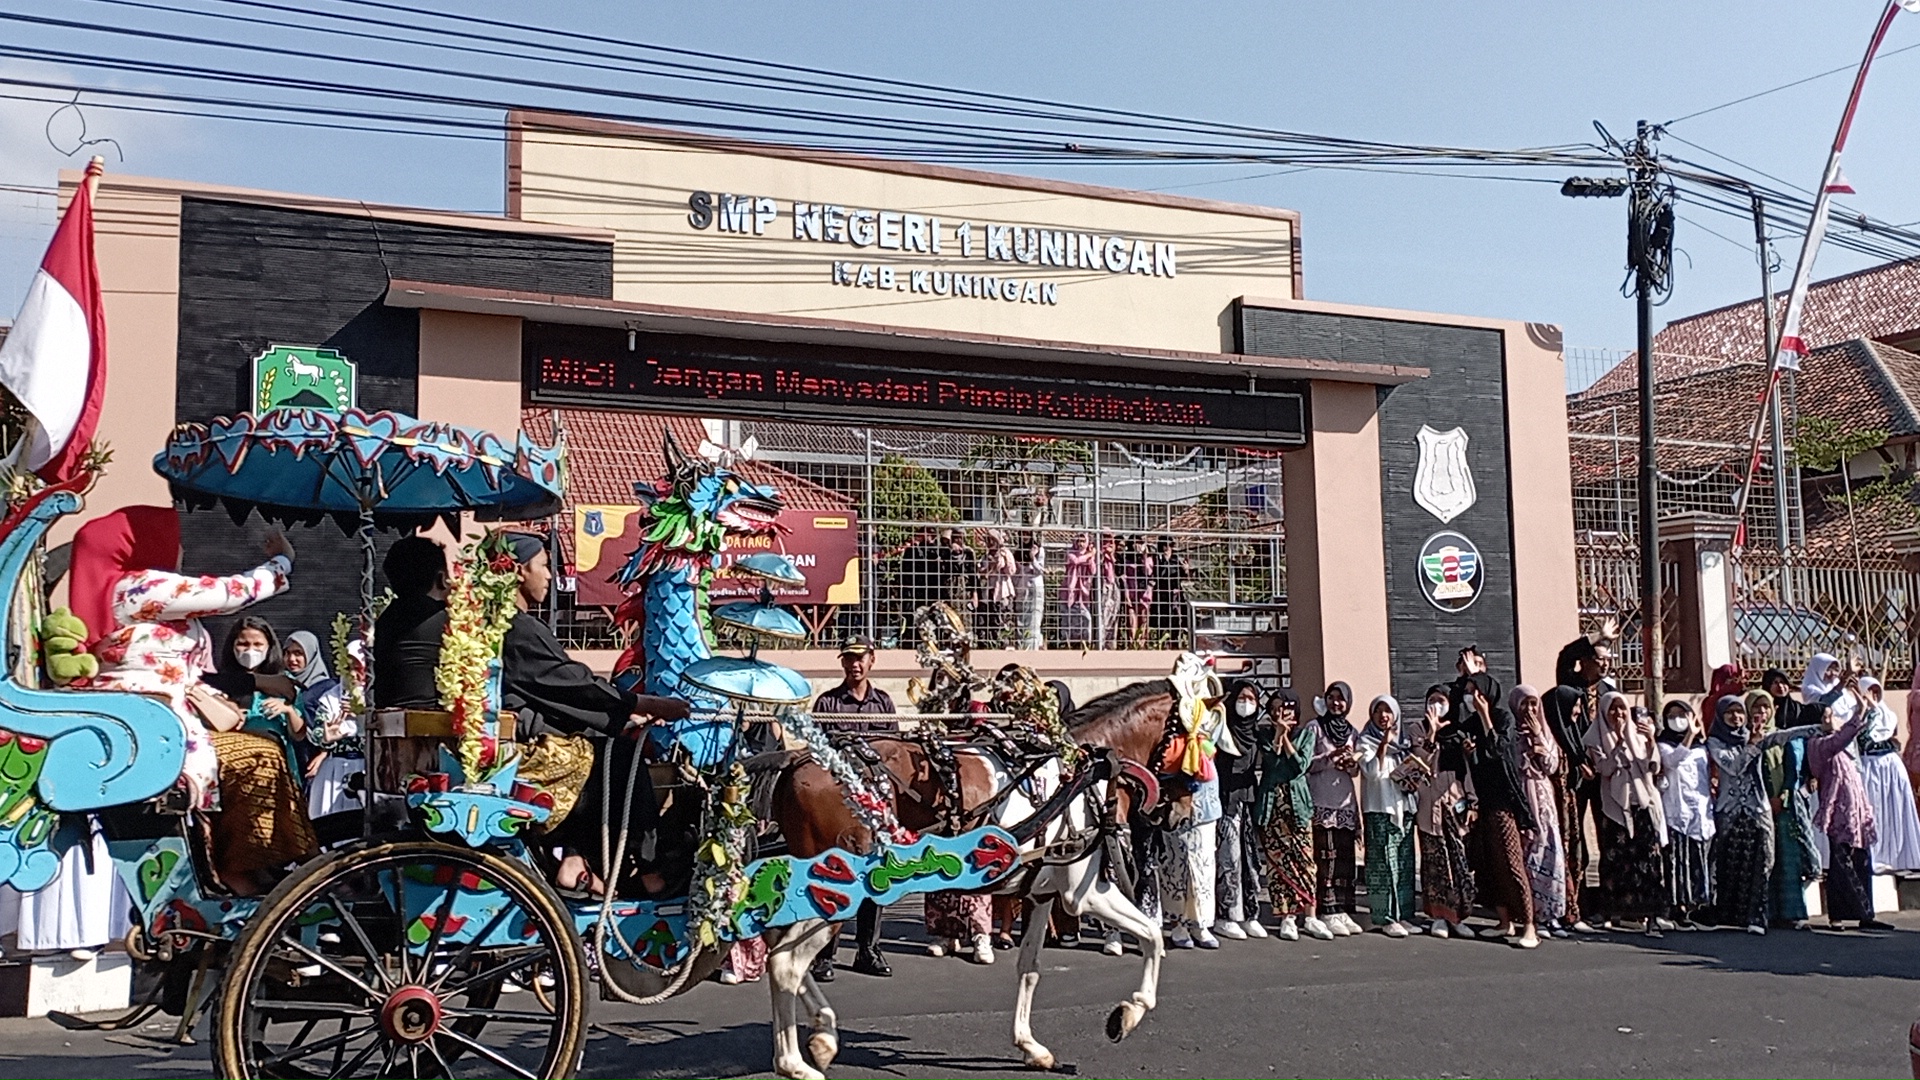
pixel 856 695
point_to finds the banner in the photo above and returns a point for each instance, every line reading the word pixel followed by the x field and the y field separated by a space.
pixel 823 544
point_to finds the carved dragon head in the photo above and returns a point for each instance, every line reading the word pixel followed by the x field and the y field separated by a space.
pixel 691 513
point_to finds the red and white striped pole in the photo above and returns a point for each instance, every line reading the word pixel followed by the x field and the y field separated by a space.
pixel 1787 354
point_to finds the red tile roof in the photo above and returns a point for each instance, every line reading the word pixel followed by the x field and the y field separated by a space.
pixel 1881 303
pixel 1858 383
pixel 608 451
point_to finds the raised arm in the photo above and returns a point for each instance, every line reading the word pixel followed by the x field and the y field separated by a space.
pixel 160 596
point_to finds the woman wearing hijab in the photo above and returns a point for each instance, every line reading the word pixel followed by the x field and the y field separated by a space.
pixel 1388 805
pixel 1443 818
pixel 1790 804
pixel 1497 843
pixel 1633 824
pixel 1239 769
pixel 1539 757
pixel 1076 593
pixel 301 656
pixel 1743 821
pixel 334 735
pixel 1686 797
pixel 1336 807
pixel 1896 845
pixel 1727 679
pixel 1285 817
pixel 1823 684
pixel 126 586
pixel 1845 815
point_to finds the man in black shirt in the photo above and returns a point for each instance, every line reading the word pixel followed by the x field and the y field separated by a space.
pixel 552 692
pixel 856 695
pixel 406 636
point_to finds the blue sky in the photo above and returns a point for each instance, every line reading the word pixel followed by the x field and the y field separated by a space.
pixel 1497 75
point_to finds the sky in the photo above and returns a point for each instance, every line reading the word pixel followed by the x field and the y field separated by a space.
pixel 1487 74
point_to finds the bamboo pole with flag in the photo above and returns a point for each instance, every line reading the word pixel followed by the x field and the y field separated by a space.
pixel 1791 348
pixel 54 360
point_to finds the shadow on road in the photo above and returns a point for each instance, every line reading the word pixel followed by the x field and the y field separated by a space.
pixel 1893 954
pixel 742 1050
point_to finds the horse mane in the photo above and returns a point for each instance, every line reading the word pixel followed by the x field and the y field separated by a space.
pixel 1114 703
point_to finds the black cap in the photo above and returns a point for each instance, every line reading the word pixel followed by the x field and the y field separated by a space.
pixel 858 645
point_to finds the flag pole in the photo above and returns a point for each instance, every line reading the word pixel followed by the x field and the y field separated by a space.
pixel 96 165
pixel 1790 347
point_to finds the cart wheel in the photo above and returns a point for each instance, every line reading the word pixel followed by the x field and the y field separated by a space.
pixel 388 960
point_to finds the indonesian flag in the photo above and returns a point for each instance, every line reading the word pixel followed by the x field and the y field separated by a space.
pixel 55 358
pixel 1839 184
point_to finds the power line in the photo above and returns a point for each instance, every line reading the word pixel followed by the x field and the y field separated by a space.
pixel 1784 86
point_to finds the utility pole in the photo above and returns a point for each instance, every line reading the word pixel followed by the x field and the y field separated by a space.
pixel 1649 249
pixel 1643 222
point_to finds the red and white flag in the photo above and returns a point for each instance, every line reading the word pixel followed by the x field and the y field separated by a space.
pixel 54 359
pixel 1838 185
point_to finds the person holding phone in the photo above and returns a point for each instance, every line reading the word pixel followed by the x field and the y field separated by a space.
pixel 1686 796
pixel 1633 825
pixel 1444 815
pixel 1285 815
pixel 1336 807
pixel 1389 807
pixel 1497 844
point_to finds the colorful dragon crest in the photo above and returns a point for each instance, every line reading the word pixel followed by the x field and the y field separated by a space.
pixel 687 520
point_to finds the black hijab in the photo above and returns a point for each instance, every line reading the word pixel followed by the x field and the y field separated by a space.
pixel 1338 729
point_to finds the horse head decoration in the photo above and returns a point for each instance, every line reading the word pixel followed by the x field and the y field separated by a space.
pixel 688 518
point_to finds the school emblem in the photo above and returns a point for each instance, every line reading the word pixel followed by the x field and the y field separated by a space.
pixel 593 523
pixel 1450 571
pixel 1443 483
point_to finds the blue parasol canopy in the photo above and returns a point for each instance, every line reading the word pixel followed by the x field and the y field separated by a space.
pixel 303 464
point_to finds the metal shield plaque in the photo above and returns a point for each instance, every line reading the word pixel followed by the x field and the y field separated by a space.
pixel 1443 483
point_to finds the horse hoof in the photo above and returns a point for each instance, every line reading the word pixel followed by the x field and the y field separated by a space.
pixel 1042 1060
pixel 800 1070
pixel 1123 1019
pixel 823 1048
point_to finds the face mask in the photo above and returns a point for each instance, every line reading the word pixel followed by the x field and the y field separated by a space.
pixel 250 658
pixel 1677 724
pixel 1245 708
pixel 1436 709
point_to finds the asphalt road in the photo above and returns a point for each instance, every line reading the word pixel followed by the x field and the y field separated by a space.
pixel 1690 1004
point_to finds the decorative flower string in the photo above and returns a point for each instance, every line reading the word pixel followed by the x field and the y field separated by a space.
pixel 869 807
pixel 480 606
pixel 720 860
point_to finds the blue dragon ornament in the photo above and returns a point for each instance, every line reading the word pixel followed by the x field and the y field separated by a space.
pixel 687 519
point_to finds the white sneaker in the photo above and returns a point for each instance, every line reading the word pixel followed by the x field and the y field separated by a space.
pixel 1461 929
pixel 1438 928
pixel 1204 938
pixel 1757 929
pixel 1347 920
pixel 1394 930
pixel 1665 924
pixel 1315 928
pixel 1289 930
pixel 1112 947
pixel 937 948
pixel 1252 929
pixel 1584 927
pixel 1180 938
pixel 1229 930
pixel 1338 925
pixel 982 949
pixel 727 978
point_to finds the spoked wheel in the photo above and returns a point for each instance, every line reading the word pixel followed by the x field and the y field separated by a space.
pixel 389 960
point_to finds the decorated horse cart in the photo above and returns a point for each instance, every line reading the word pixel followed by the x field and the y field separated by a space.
pixel 423 940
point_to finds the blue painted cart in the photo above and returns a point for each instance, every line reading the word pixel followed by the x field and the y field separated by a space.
pixel 425 946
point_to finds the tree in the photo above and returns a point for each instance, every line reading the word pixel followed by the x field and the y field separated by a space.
pixel 905 492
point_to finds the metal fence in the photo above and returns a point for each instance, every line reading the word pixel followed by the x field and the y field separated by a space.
pixel 1039 542
pixel 1788 608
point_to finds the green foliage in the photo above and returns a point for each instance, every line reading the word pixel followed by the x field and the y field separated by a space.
pixel 1821 445
pixel 904 490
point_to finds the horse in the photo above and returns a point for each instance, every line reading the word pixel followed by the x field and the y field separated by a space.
pixel 1133 723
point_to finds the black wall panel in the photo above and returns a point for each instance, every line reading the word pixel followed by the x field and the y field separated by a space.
pixel 253 276
pixel 1466 389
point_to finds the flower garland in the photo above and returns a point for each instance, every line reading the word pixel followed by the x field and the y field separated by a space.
pixel 480 606
pixel 349 647
pixel 869 807
pixel 720 860
pixel 1034 706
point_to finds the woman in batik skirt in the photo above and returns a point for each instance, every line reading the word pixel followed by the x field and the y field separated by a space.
pixel 1284 817
pixel 1445 812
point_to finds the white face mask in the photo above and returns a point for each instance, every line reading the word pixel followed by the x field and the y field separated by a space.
pixel 1243 707
pixel 250 658
pixel 1677 724
pixel 1436 709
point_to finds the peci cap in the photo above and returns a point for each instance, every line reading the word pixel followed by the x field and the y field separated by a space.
pixel 857 645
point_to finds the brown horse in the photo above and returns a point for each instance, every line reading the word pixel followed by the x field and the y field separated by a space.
pixel 813 816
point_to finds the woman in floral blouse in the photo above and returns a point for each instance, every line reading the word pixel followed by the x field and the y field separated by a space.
pixel 145 616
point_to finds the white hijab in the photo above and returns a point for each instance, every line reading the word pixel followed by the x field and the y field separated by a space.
pixel 1880 722
pixel 1816 684
pixel 1379 793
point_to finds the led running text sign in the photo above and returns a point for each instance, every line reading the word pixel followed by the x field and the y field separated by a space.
pixel 592 366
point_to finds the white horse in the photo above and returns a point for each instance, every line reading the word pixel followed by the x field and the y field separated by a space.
pixel 1078 885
